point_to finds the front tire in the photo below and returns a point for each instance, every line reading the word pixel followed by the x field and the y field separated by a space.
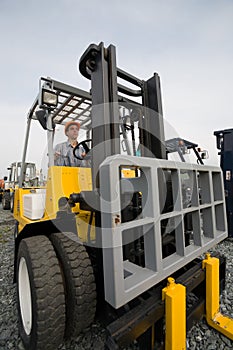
pixel 40 295
pixel 80 288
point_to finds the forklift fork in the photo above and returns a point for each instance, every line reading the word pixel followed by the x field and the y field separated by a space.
pixel 214 318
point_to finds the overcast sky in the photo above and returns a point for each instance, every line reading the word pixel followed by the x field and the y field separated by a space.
pixel 188 43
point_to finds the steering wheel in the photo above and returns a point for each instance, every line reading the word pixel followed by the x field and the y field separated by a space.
pixel 85 146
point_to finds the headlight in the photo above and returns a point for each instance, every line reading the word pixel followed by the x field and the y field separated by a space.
pixel 49 97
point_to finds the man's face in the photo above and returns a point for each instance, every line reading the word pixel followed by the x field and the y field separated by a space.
pixel 72 132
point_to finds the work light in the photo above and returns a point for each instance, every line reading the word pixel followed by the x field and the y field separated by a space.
pixel 48 98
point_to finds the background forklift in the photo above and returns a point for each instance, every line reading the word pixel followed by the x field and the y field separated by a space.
pixel 224 140
pixel 30 179
pixel 184 147
pixel 1 188
pixel 102 240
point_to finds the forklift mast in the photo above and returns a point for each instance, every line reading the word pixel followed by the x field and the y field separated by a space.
pixel 224 140
pixel 99 64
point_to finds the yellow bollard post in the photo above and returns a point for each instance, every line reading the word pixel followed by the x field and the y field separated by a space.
pixel 175 315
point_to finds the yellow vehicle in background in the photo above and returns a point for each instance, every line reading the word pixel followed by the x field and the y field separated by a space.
pixel 30 178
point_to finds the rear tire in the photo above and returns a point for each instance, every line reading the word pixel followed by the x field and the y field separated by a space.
pixel 80 288
pixel 6 200
pixel 40 295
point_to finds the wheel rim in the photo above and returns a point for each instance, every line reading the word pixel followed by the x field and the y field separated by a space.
pixel 25 299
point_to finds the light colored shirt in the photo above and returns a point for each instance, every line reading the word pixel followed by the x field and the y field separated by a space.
pixel 66 157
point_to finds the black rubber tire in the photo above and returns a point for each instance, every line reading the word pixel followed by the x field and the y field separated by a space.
pixel 6 200
pixel 80 287
pixel 47 294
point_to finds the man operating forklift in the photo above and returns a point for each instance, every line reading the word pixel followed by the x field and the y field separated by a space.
pixel 63 155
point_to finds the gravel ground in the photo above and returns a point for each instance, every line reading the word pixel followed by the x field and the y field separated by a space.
pixel 201 336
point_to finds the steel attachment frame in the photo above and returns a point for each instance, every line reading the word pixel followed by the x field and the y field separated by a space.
pixel 125 280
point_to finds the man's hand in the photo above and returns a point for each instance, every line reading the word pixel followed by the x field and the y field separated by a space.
pixel 57 154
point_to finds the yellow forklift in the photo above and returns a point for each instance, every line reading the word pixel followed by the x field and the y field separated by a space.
pixel 110 239
pixel 11 181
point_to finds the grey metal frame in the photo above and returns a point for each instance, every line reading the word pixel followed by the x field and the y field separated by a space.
pixel 125 280
pixel 99 64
